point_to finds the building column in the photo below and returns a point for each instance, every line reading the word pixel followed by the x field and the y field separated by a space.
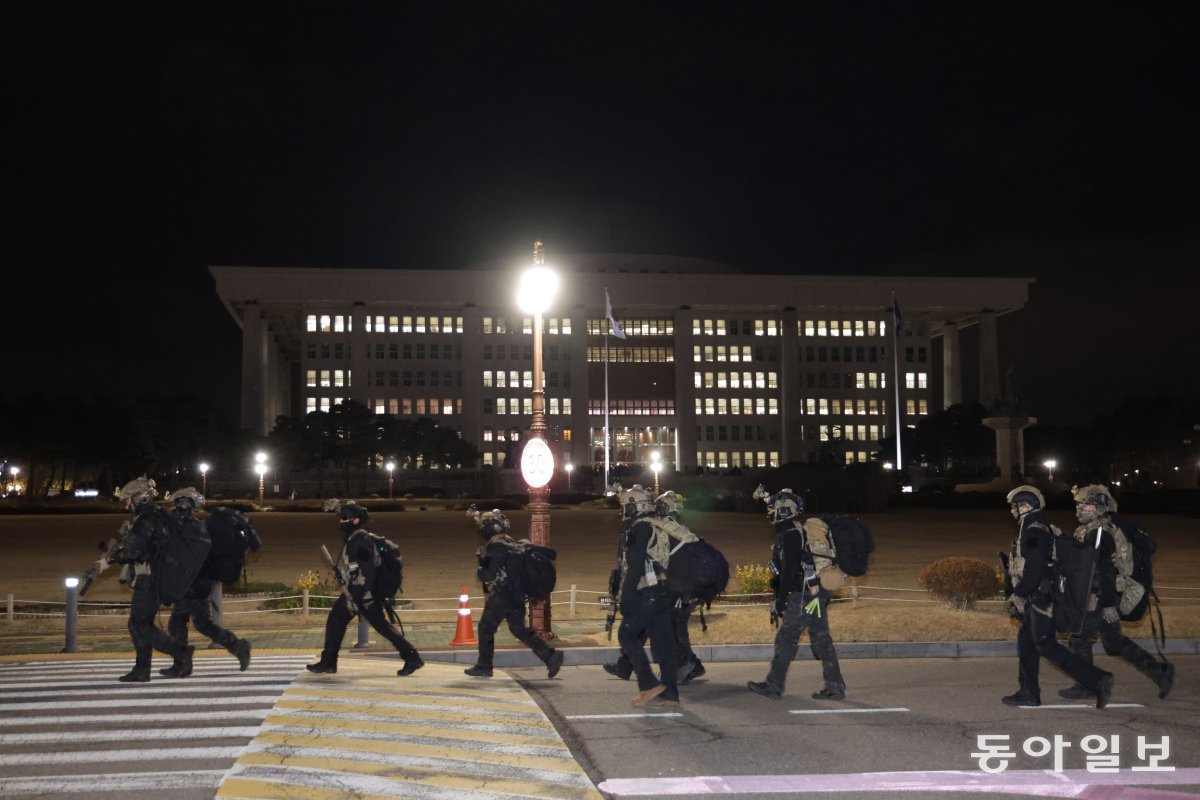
pixel 989 360
pixel 358 354
pixel 790 416
pixel 255 377
pixel 951 365
pixel 580 390
pixel 685 391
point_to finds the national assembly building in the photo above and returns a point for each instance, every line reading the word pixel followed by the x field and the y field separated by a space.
pixel 717 368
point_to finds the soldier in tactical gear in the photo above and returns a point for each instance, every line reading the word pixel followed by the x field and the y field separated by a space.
pixel 196 604
pixel 151 526
pixel 801 600
pixel 1094 505
pixel 357 563
pixel 1030 573
pixel 669 504
pixel 645 604
pixel 500 571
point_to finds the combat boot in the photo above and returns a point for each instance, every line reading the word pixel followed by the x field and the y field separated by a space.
pixel 554 663
pixel 1076 692
pixel 829 694
pixel 411 665
pixel 173 671
pixel 241 649
pixel 765 689
pixel 1166 680
pixel 136 675
pixel 616 670
pixel 1104 690
pixel 696 672
pixel 185 661
pixel 478 671
pixel 1022 697
pixel 322 668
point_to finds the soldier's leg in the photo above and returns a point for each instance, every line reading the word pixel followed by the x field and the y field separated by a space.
pixel 787 642
pixel 527 635
pixel 823 648
pixel 662 646
pixel 200 608
pixel 142 608
pixel 335 631
pixel 177 625
pixel 1116 643
pixel 1081 645
pixel 494 611
pixel 376 614
pixel 633 625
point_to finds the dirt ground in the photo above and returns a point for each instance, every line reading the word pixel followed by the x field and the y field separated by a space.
pixel 37 552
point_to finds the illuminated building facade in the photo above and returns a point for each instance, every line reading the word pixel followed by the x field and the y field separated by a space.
pixel 719 368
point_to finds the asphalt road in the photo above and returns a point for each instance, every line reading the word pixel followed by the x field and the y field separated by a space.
pixel 920 717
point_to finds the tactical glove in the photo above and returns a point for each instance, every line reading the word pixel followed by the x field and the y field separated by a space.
pixel 1018 603
pixel 100 566
pixel 780 605
pixel 1110 615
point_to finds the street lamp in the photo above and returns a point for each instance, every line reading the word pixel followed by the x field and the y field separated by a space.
pixel 204 479
pixel 15 471
pixel 390 467
pixel 260 466
pixel 537 288
pixel 656 465
pixel 570 468
pixel 1050 464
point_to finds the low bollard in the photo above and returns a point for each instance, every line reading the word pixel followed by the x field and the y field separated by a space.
pixel 72 614
pixel 574 596
pixel 364 631
pixel 217 597
pixel 304 605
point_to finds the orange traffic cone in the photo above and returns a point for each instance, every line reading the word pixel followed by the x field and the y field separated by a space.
pixel 465 634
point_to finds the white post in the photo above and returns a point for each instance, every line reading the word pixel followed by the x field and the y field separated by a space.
pixel 574 596
pixel 304 606
pixel 896 383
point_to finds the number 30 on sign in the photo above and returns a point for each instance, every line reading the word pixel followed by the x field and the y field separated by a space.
pixel 537 463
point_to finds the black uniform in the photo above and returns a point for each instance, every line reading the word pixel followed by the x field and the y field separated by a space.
pixel 798 588
pixel 1115 642
pixel 500 569
pixel 1034 583
pixel 150 527
pixel 646 610
pixel 358 564
pixel 688 664
pixel 196 605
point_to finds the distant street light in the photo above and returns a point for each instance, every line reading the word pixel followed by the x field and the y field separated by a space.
pixel 537 289
pixel 570 468
pixel 204 479
pixel 656 466
pixel 16 487
pixel 1050 464
pixel 390 467
pixel 260 466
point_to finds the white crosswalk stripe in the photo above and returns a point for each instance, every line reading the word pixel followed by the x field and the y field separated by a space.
pixel 68 729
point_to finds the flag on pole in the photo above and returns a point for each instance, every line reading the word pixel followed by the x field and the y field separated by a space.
pixel 608 312
pixel 899 317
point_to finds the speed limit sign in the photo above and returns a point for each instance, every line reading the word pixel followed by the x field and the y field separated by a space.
pixel 537 463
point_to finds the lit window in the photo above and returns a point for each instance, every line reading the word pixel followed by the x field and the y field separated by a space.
pixel 310 405
pixel 922 380
pixel 311 323
pixel 310 378
pixel 487 379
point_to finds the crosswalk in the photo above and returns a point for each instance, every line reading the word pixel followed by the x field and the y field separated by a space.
pixel 69 729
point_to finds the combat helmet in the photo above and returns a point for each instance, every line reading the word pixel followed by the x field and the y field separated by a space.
pixel 635 501
pixel 1026 494
pixel 350 510
pixel 784 505
pixel 187 496
pixel 669 503
pixel 1095 495
pixel 138 491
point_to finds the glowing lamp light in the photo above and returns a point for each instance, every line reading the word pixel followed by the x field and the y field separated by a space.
pixel 389 466
pixel 537 288
pixel 260 469
pixel 71 582
pixel 204 469
pixel 260 458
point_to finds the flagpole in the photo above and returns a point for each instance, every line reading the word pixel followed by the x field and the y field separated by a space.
pixel 606 483
pixel 896 381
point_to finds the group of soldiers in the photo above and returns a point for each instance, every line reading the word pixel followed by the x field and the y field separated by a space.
pixel 649 609
pixel 1034 564
pixel 135 549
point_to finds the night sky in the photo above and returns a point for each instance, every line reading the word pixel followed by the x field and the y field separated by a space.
pixel 898 139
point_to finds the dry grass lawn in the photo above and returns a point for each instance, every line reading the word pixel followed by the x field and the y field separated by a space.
pixel 37 552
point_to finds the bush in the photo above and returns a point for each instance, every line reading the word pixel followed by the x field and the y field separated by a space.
pixel 753 578
pixel 960 581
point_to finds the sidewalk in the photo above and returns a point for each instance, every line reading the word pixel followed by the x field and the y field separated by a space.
pixel 433 640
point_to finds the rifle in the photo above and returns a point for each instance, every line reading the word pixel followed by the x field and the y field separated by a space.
pixel 776 586
pixel 341 579
pixel 110 551
pixel 1008 586
pixel 614 588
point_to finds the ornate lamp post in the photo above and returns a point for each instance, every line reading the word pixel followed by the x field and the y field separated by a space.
pixel 260 466
pixel 537 288
pixel 204 479
pixel 391 468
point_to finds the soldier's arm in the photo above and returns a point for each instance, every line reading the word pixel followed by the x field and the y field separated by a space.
pixel 636 559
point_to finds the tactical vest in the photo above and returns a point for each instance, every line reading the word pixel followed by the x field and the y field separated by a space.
pixel 1130 590
pixel 819 543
